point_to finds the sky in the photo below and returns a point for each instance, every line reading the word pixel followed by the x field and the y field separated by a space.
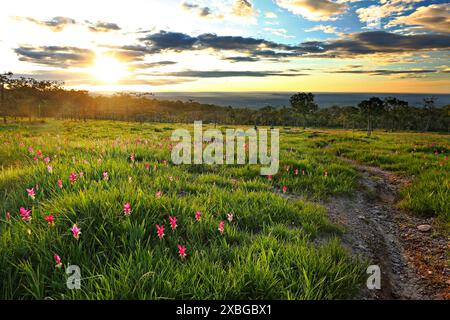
pixel 398 46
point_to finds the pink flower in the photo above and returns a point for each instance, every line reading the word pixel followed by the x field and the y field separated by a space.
pixel 198 215
pixel 284 189
pixel 39 153
pixel 73 177
pixel 58 261
pixel 221 226
pixel 49 169
pixel 76 231
pixel 158 194
pixel 30 150
pixel 50 220
pixel 81 174
pixel 173 222
pixel 35 159
pixel 160 231
pixel 105 176
pixel 47 160
pixel 60 183
pixel 31 193
pixel 127 209
pixel 296 172
pixel 230 217
pixel 269 177
pixel 8 216
pixel 132 158
pixel 182 251
pixel 25 214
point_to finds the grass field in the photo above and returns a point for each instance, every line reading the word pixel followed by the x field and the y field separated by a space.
pixel 273 247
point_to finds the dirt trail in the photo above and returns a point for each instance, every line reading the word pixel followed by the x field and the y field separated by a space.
pixel 413 264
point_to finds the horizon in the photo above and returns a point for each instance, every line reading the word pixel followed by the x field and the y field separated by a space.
pixel 326 46
pixel 281 99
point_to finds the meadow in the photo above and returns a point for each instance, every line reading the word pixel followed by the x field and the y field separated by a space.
pixel 97 193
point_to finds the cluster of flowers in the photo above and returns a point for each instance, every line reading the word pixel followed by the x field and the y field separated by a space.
pixel 127 210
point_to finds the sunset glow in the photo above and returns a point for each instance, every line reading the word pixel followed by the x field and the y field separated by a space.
pixel 108 69
pixel 230 45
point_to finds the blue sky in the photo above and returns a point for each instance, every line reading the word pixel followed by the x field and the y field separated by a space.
pixel 295 24
pixel 231 45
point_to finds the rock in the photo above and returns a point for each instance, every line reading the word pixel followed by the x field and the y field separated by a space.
pixel 424 228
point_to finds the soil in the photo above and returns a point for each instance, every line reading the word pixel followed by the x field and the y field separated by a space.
pixel 414 264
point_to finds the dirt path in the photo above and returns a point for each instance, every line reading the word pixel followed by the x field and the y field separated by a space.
pixel 413 263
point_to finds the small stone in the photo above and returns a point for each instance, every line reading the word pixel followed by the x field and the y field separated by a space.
pixel 424 228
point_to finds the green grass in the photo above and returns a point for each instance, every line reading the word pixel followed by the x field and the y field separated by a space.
pixel 268 251
pixel 423 157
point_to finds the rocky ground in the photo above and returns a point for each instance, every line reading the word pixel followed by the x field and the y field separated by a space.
pixel 411 255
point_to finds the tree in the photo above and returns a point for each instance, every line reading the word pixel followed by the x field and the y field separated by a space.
pixel 4 81
pixel 429 109
pixel 394 108
pixel 371 108
pixel 303 103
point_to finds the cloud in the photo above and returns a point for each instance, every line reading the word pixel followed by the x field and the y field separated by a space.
pixel 164 40
pixel 57 24
pixel 226 74
pixel 363 43
pixel 159 64
pixel 386 9
pixel 55 75
pixel 56 56
pixel 280 32
pixel 323 28
pixel 380 44
pixel 150 65
pixel 155 81
pixel 101 26
pixel 175 41
pixel 270 15
pixel 386 72
pixel 241 59
pixel 203 12
pixel 434 17
pixel 385 42
pixel 314 10
pixel 243 8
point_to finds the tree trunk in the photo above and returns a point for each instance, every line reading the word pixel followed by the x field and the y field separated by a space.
pixel 2 100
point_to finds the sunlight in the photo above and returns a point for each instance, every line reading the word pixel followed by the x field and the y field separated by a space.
pixel 108 69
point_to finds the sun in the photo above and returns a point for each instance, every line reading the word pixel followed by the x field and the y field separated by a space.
pixel 108 69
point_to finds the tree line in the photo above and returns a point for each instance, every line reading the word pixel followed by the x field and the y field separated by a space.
pixel 36 99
